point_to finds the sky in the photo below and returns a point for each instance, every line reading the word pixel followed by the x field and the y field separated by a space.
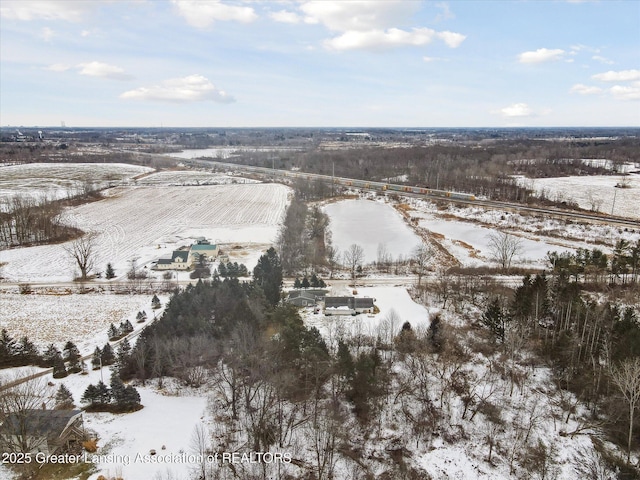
pixel 320 63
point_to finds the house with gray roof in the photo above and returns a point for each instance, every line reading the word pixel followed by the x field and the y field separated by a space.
pixel 306 297
pixel 348 305
pixel 47 431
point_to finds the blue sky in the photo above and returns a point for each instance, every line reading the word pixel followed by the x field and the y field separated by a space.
pixel 199 63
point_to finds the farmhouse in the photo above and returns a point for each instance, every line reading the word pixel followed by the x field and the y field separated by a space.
pixel 46 431
pixel 185 258
pixel 179 260
pixel 348 305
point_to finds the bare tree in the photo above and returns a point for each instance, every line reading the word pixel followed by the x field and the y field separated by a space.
pixel 353 258
pixel 83 251
pixel 18 402
pixel 421 256
pixel 504 247
pixel 627 378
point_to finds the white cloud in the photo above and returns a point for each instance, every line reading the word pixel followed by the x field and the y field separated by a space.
pixel 201 14
pixel 193 88
pixel 541 55
pixel 602 59
pixel 85 33
pixel 620 76
pixel 379 39
pixel 452 39
pixel 446 12
pixel 284 16
pixel 67 10
pixel 57 67
pixel 585 89
pixel 516 110
pixel 47 34
pixel 344 15
pixel 103 70
pixel 372 25
pixel 626 92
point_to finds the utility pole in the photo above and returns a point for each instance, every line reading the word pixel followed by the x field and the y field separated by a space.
pixel 333 175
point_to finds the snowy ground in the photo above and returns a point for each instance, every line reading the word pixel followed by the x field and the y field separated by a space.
pixel 59 180
pixel 593 192
pixel 167 420
pixel 145 223
pixel 83 319
pixel 191 177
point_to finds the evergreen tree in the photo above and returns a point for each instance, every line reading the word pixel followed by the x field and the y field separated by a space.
pixel 113 333
pixel 59 369
pixel 345 363
pixel 314 281
pixel 140 317
pixel 27 352
pixel 7 349
pixel 110 273
pixel 122 358
pixel 49 355
pixel 107 355
pixel 268 275
pixel 64 398
pixel 126 327
pixel 131 399
pixel 222 270
pixel 296 283
pixel 72 356
pixel 90 395
pixel 103 394
pixel 155 302
pixel 96 360
pixel 495 319
pixel 117 389
pixel 305 282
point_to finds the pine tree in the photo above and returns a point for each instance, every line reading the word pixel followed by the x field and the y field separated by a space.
pixel 49 355
pixel 131 398
pixel 122 357
pixel 27 352
pixel 495 318
pixel 314 281
pixel 90 395
pixel 113 333
pixel 140 317
pixel 59 369
pixel 110 273
pixel 267 274
pixel 7 349
pixel 72 355
pixel 103 394
pixel 126 327
pixel 296 283
pixel 155 302
pixel 117 389
pixel 305 282
pixel 107 355
pixel 222 270
pixel 64 398
pixel 96 360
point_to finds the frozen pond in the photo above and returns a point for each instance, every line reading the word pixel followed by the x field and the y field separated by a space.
pixel 459 236
pixel 370 224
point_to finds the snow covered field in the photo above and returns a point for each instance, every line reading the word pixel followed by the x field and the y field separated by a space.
pixel 83 319
pixel 191 177
pixel 145 223
pixel 58 180
pixel 370 224
pixel 597 192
